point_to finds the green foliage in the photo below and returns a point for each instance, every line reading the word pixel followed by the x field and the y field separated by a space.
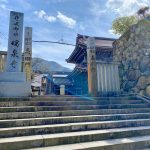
pixel 122 24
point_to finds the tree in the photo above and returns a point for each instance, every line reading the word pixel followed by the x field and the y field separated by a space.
pixel 122 24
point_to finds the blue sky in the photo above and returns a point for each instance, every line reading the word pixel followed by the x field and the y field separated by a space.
pixel 58 20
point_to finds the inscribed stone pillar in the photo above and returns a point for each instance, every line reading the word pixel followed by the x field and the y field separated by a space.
pixel 27 64
pixel 13 81
pixel 14 54
pixel 92 68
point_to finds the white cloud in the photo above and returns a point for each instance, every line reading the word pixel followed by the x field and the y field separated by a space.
pixel 126 7
pixel 50 18
pixel 96 8
pixel 40 13
pixel 43 15
pixel 110 31
pixel 69 22
pixel 4 1
pixel 3 6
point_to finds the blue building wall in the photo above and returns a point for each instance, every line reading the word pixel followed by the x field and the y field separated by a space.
pixel 79 83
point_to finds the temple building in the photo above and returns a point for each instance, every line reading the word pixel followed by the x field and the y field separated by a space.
pixel 79 77
pixel 61 84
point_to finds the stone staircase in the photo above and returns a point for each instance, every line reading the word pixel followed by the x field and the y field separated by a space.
pixel 71 123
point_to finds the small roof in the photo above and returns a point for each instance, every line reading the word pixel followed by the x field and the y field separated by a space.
pixel 61 81
pixel 3 52
pixel 59 75
pixel 99 41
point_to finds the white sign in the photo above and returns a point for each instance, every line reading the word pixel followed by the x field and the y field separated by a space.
pixel 28 44
pixel 37 81
pixel 14 54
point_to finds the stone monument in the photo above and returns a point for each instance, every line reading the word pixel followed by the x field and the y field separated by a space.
pixel 27 56
pixel 13 81
pixel 92 68
pixel 62 89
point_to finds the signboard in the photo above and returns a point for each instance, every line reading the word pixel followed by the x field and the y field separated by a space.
pixel 14 56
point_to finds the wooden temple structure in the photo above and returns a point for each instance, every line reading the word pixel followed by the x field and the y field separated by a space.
pixel 79 76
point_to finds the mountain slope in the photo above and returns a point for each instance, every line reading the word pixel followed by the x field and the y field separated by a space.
pixel 44 66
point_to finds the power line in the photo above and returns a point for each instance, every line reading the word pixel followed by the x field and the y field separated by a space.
pixel 63 43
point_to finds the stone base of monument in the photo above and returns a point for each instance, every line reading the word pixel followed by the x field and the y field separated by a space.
pixel 13 84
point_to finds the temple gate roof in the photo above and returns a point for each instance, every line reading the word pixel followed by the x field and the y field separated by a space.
pixel 103 49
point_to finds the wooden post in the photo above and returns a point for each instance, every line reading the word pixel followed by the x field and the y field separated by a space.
pixel 92 68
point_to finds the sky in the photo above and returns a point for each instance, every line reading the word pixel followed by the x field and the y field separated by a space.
pixel 62 20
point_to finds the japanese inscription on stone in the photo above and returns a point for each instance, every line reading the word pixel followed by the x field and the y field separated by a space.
pixel 28 44
pixel 91 49
pixel 14 55
pixel 27 52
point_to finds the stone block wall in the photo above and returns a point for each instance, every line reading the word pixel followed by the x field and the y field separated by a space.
pixel 132 52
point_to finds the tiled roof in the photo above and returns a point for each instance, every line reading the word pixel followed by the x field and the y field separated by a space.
pixel 61 81
pixel 80 48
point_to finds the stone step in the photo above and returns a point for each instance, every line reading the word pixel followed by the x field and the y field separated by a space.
pixel 69 119
pixel 62 103
pixel 132 143
pixel 17 143
pixel 80 122
pixel 70 107
pixel 38 114
pixel 70 127
pixel 68 98
pixel 95 135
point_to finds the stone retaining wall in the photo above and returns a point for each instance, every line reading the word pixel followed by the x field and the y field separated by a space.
pixel 132 52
